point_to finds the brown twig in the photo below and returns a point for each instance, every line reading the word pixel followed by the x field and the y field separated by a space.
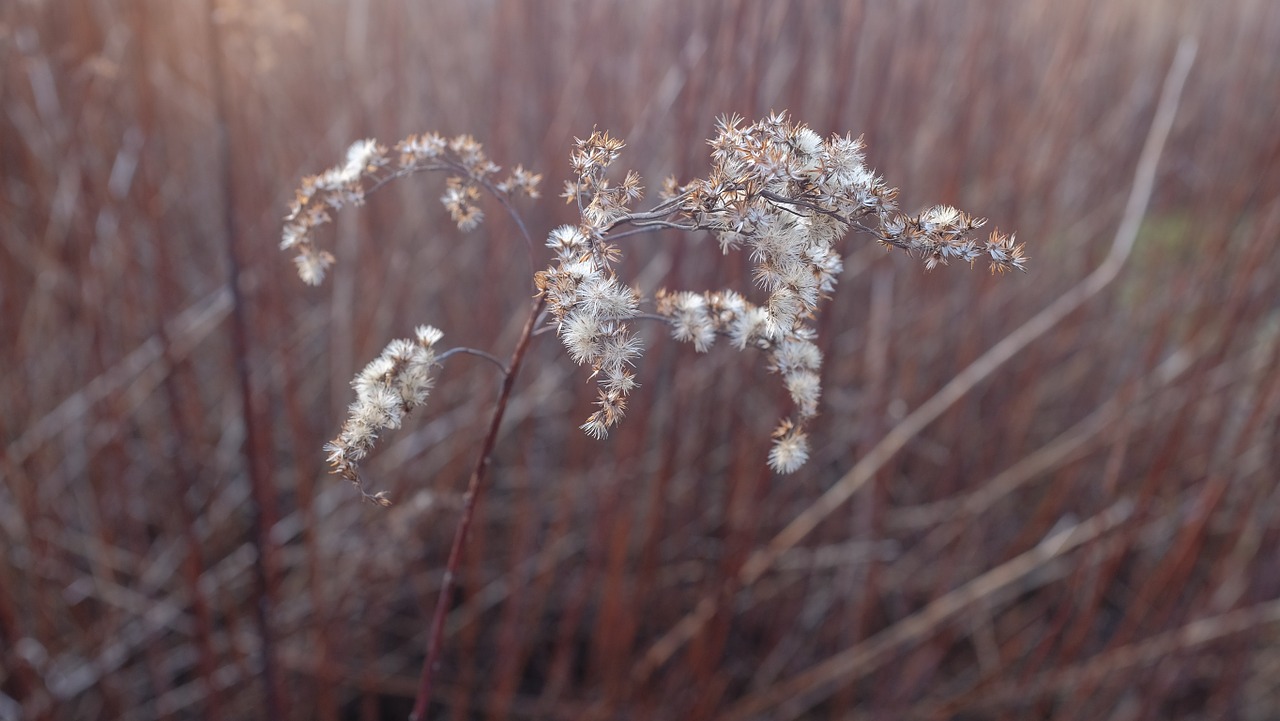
pixel 475 488
pixel 255 455
pixel 475 352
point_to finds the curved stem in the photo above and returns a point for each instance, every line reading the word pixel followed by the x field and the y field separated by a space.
pixel 662 210
pixel 255 448
pixel 454 167
pixel 633 231
pixel 403 173
pixel 652 316
pixel 475 489
pixel 475 352
pixel 511 211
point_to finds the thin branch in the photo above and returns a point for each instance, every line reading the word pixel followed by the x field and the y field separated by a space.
pixel 848 220
pixel 663 210
pixel 652 316
pixel 448 165
pixel 502 367
pixel 667 224
pixel 634 231
pixel 505 201
pixel 255 446
pixel 403 173
pixel 475 489
pixel 769 195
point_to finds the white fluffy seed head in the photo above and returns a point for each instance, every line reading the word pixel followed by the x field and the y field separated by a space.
pixel 805 387
pixel 790 449
pixel 581 333
pixel 428 335
pixel 796 354
pixel 606 298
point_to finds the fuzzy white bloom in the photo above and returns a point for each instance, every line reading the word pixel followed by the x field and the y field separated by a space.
pixel 595 427
pixel 893 226
pixel 1005 252
pixel 939 216
pixel 417 148
pixel 294 233
pixel 312 264
pixel 690 321
pixel 427 335
pixel 846 174
pixel 580 270
pixel 460 200
pixel 749 328
pixel 623 383
pixel 360 156
pixel 790 449
pixel 391 385
pixel 805 388
pixel 471 221
pixel 580 333
pixel 784 305
pixel 808 142
pixel 607 298
pixel 619 349
pixel 826 265
pixel 796 354
pixel 567 239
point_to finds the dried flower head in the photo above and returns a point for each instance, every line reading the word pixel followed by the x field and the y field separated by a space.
pixel 588 303
pixel 775 189
pixel 788 196
pixel 470 171
pixel 790 448
pixel 394 383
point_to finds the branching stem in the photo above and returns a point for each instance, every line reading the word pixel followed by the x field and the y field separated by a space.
pixel 475 352
pixel 475 489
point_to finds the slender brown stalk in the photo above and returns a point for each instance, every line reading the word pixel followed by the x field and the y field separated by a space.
pixel 475 488
pixel 255 454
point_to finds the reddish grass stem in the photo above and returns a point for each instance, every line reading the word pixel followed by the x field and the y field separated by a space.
pixel 255 446
pixel 475 488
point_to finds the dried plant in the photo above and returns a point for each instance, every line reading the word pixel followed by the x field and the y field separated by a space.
pixel 389 387
pixel 775 187
pixel 170 550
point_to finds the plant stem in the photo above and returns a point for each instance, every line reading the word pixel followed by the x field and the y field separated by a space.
pixel 475 487
pixel 255 448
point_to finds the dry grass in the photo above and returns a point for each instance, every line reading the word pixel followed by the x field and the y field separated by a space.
pixel 1091 535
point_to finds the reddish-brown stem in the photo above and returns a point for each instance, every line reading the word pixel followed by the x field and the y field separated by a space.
pixel 255 446
pixel 475 488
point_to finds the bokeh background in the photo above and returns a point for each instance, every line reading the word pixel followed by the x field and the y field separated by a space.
pixel 1089 533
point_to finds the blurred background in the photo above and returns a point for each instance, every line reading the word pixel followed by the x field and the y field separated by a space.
pixel 1089 533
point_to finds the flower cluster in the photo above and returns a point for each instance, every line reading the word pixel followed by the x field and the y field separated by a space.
pixel 338 186
pixel 774 188
pixel 941 234
pixel 700 317
pixel 367 161
pixel 587 301
pixel 779 189
pixel 391 385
